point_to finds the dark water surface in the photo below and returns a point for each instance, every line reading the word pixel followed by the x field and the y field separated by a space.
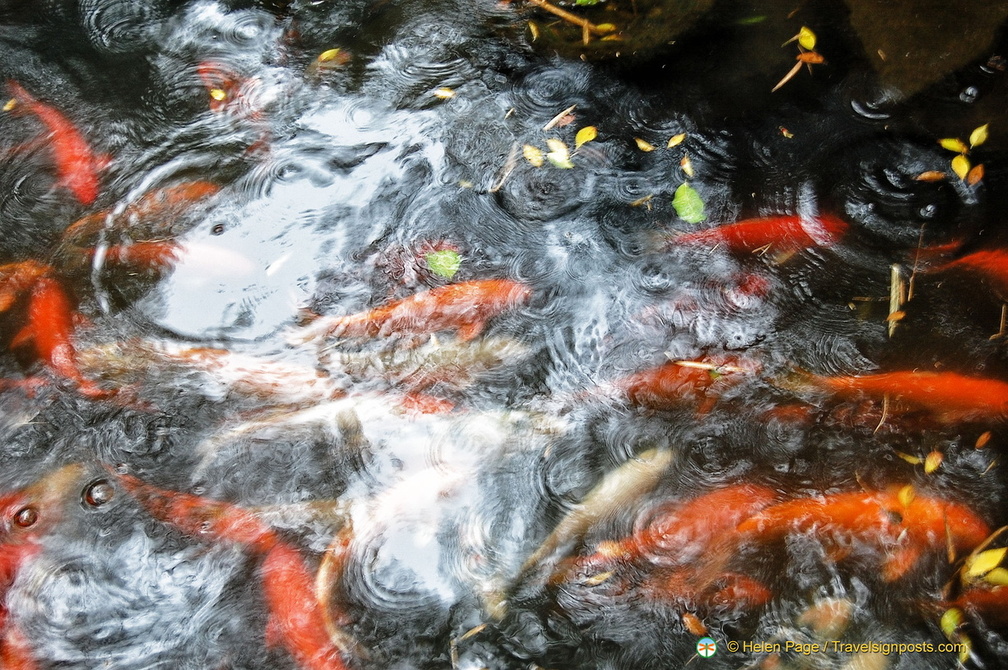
pixel 607 420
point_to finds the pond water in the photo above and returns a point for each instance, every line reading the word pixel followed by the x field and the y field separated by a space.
pixel 402 334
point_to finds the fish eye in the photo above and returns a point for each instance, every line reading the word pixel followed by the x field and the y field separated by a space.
pixel 97 493
pixel 217 229
pixel 26 517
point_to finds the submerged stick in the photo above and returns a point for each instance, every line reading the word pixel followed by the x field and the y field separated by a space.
pixel 586 26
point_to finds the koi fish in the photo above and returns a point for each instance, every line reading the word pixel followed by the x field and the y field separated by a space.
pixel 17 279
pixel 948 396
pixel 902 527
pixel 50 330
pixel 235 95
pixel 295 621
pixel 464 308
pixel 671 384
pixel 782 234
pixel 152 217
pixel 991 264
pixel 677 533
pixel 76 164
pixel 26 516
pixel 988 603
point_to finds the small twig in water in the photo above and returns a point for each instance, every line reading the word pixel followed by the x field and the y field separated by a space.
pixel 587 27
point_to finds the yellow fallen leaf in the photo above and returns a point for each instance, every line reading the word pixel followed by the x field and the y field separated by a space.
pixel 979 135
pixel 806 38
pixel 643 145
pixel 444 93
pixel 961 166
pixel 10 104
pixel 675 140
pixel 558 153
pixel 586 134
pixel 218 94
pixel 976 175
pixel 906 495
pixel 687 166
pixel 912 460
pixel 533 155
pixel 534 30
pixel 998 577
pixel 328 55
pixel 953 144
pixel 983 562
pixel 950 622
pixel 931 175
pixel 933 461
pixel 605 28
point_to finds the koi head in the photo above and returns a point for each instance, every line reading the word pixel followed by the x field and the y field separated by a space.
pixel 25 515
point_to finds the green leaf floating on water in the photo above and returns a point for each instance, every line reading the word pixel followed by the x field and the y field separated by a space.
pixel 586 2
pixel 688 204
pixel 444 263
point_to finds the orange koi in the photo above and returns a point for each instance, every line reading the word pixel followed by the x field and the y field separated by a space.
pixel 50 330
pixel 75 162
pixel 25 518
pixel 782 234
pixel 17 279
pixel 990 264
pixel 681 531
pixel 296 621
pixel 464 307
pixel 948 396
pixel 988 603
pixel 674 383
pixel 902 529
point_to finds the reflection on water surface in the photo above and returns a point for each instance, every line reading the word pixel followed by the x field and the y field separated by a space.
pixel 395 334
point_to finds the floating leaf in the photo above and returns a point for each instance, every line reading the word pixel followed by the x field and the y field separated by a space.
pixel 444 93
pixel 806 38
pixel 605 28
pixel 586 3
pixel 444 263
pixel 906 495
pixel 686 165
pixel 218 94
pixel 675 140
pixel 465 183
pixel 912 460
pixel 643 145
pixel 965 648
pixel 328 55
pixel 931 175
pixel 533 30
pixel 10 104
pixel 586 134
pixel 950 622
pixel 558 154
pixel 786 133
pixel 983 562
pixel 751 20
pixel 961 166
pixel 997 577
pixel 688 204
pixel 933 461
pixel 693 624
pixel 982 441
pixel 954 144
pixel 810 57
pixel 976 175
pixel 533 155
pixel 978 136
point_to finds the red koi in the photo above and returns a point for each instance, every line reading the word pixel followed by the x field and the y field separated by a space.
pixel 463 307
pixel 674 383
pixel 296 621
pixel 986 602
pixel 50 330
pixel 26 516
pixel 901 529
pixel 782 234
pixel 76 164
pixel 948 396
pixel 990 264
pixel 17 279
